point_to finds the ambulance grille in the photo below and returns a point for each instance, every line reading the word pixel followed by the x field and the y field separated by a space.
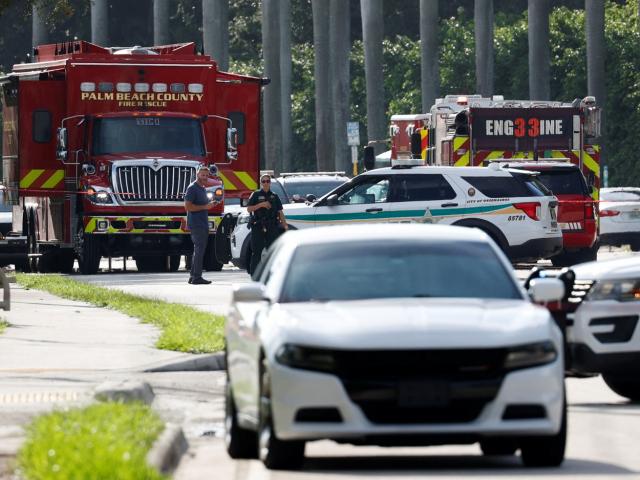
pixel 142 183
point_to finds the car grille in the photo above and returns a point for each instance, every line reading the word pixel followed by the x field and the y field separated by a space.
pixel 142 183
pixel 421 386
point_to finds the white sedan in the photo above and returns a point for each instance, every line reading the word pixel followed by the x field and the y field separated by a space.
pixel 604 332
pixel 416 335
pixel 620 216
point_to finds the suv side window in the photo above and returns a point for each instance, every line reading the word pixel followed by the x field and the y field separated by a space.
pixel 368 190
pixel 420 187
pixel 499 186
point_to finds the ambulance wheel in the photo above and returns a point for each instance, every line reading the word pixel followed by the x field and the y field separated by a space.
pixel 88 253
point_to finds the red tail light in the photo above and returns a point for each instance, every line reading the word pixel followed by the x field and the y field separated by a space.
pixel 532 209
pixel 609 213
pixel 588 211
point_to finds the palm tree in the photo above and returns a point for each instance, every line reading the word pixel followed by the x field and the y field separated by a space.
pixel 539 61
pixel 39 33
pixel 324 136
pixel 99 22
pixel 372 34
pixel 161 22
pixel 285 72
pixel 430 71
pixel 215 30
pixel 340 47
pixel 483 18
pixel 594 10
pixel 272 93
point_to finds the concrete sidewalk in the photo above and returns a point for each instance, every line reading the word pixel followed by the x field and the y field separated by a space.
pixel 57 351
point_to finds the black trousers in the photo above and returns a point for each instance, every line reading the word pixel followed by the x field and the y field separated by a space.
pixel 261 240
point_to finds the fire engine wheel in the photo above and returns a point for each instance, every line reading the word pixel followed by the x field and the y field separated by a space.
pixel 88 253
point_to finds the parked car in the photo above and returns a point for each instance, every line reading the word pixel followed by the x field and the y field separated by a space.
pixel 407 336
pixel 577 212
pixel 620 217
pixel 511 206
pixel 296 187
pixel 603 332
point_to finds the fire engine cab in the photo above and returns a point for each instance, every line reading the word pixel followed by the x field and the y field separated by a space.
pixel 100 144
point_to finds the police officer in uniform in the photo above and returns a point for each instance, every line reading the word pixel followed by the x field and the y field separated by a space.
pixel 267 218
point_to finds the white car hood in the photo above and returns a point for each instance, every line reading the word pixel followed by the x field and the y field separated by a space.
pixel 408 323
pixel 609 269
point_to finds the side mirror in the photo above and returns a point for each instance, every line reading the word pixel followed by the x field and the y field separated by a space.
pixel 232 143
pixel 369 158
pixel 544 290
pixel 311 197
pixel 332 200
pixel 61 144
pixel 250 292
pixel 416 145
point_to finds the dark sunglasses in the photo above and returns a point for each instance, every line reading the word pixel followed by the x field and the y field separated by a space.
pixel 265 181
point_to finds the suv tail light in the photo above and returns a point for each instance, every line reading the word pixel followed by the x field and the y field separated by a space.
pixel 609 213
pixel 532 209
pixel 588 211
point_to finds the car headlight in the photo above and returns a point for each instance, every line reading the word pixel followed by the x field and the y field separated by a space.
pixel 244 218
pixel 99 196
pixel 306 358
pixel 530 355
pixel 627 290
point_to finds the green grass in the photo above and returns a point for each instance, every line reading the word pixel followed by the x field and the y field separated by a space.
pixel 184 329
pixel 102 441
pixel 3 324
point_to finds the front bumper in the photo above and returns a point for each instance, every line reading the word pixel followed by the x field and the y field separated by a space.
pixel 295 390
pixel 133 225
pixel 535 249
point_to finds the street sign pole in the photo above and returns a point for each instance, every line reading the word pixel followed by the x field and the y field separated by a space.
pixel 353 140
pixel 354 159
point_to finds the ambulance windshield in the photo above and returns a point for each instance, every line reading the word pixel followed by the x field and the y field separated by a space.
pixel 147 134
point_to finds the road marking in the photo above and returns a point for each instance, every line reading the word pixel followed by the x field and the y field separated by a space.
pixel 40 397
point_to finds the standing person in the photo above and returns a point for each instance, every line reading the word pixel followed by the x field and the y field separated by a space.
pixel 266 211
pixel 197 204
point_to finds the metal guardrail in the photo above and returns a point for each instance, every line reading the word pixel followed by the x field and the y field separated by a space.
pixel 6 298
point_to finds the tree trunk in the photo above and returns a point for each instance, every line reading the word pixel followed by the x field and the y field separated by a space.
pixel 100 22
pixel 430 71
pixel 340 48
pixel 594 10
pixel 285 71
pixel 161 35
pixel 539 60
pixel 483 18
pixel 272 93
pixel 324 136
pixel 372 34
pixel 39 32
pixel 215 31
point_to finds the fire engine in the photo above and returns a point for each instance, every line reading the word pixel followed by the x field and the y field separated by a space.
pixel 473 130
pixel 99 145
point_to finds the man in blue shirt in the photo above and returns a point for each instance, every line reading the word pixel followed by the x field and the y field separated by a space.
pixel 197 204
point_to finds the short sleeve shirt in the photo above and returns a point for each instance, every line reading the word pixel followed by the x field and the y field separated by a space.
pixel 198 196
pixel 260 196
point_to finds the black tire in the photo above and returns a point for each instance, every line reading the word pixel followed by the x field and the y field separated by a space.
pixel 624 386
pixel 274 453
pixel 498 446
pixel 240 443
pixel 151 264
pixel 635 246
pixel 187 262
pixel 211 263
pixel 174 263
pixel 88 253
pixel 247 260
pixel 546 450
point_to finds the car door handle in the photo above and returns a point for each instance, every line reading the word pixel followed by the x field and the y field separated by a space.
pixel 373 210
pixel 449 205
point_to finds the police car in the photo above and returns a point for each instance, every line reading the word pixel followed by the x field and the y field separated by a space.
pixel 510 205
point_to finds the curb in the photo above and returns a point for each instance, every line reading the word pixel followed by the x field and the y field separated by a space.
pixel 166 452
pixel 211 362
pixel 124 391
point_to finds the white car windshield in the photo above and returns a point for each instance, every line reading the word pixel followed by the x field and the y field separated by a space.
pixel 367 270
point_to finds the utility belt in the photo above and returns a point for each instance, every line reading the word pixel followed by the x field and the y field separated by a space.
pixel 264 223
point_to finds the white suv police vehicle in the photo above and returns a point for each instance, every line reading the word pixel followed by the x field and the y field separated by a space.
pixel 512 206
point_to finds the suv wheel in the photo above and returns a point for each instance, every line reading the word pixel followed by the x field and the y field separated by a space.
pixel 623 386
